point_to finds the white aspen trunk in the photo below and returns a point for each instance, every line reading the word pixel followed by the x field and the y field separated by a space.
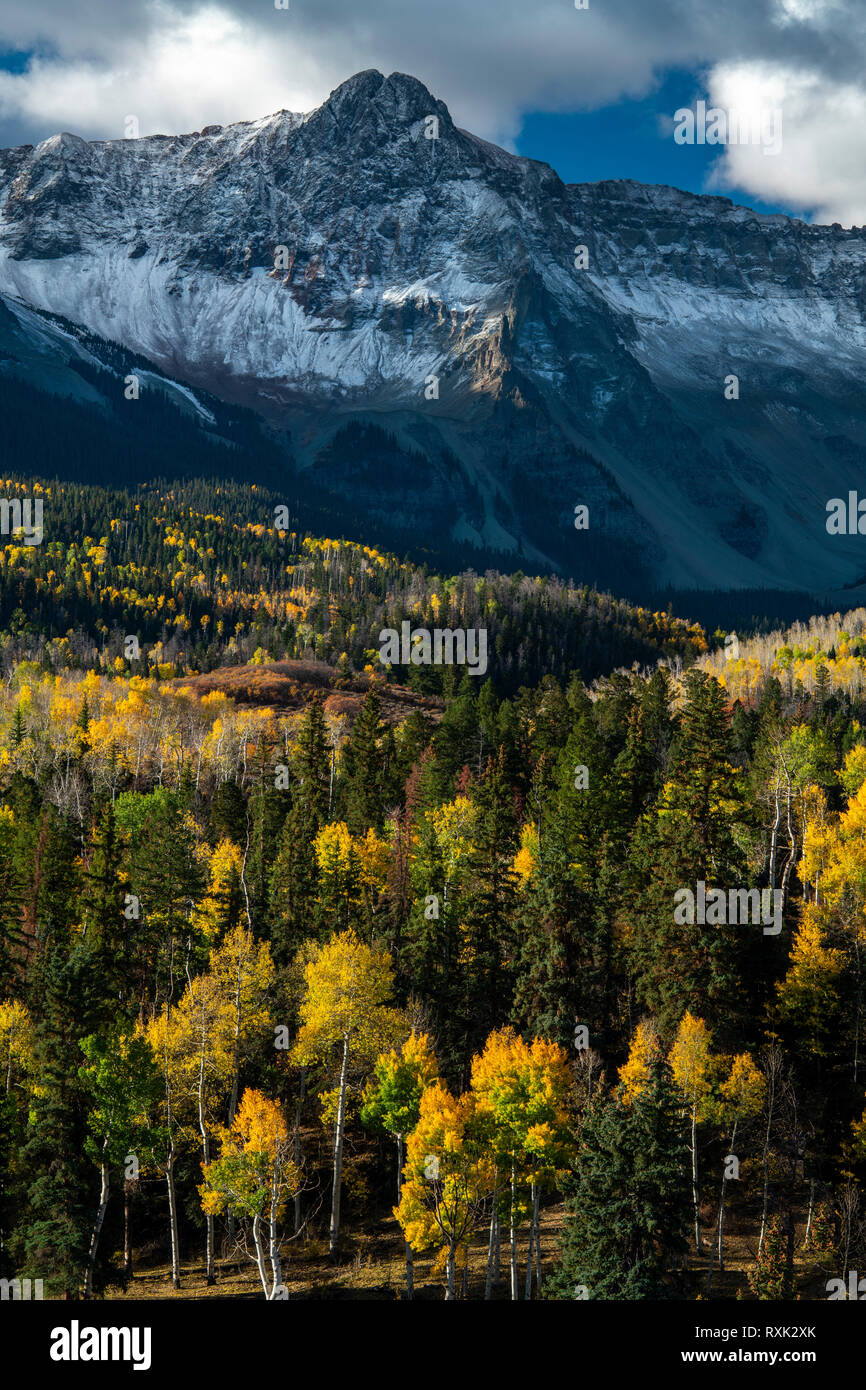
pixel 859 1007
pixel 210 1276
pixel 260 1252
pixel 811 1209
pixel 410 1270
pixel 775 833
pixel 236 1047
pixel 172 1218
pixel 716 1244
pixel 722 1203
pixel 127 1237
pixel 273 1246
pixel 513 1233
pixel 491 1249
pixel 695 1195
pixel 338 1150
pixel 766 1160
pixel 296 1145
pixel 527 1290
pixel 537 1224
pixel 97 1225
pixel 848 1231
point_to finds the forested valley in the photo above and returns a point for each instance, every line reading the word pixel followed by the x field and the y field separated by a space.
pixel 338 1000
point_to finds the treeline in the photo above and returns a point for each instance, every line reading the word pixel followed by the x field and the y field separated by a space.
pixel 201 574
pixel 225 973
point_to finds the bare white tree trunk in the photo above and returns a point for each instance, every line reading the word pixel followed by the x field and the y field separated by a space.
pixel 97 1225
pixel 172 1218
pixel 527 1292
pixel 127 1236
pixel 296 1145
pixel 259 1243
pixel 338 1150
pixel 513 1233
pixel 410 1271
pixel 810 1212
pixel 491 1249
pixel 210 1276
pixel 273 1244
pixel 772 1067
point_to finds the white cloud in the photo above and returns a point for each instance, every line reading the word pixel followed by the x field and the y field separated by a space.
pixel 187 71
pixel 819 167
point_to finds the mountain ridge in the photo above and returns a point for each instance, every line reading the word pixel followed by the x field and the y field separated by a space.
pixel 431 287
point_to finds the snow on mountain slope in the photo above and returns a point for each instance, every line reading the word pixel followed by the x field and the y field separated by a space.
pixel 428 286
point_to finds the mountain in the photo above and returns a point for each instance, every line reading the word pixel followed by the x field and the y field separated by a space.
pixel 436 362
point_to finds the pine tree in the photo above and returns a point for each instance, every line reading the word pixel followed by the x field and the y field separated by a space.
pixel 364 763
pixel 488 947
pixel 54 1234
pixel 627 1217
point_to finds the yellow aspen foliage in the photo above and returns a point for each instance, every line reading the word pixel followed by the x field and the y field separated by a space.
pixel 808 995
pixel 853 773
pixel 392 1095
pixel 243 972
pixel 744 1089
pixel 374 859
pixel 692 1066
pixel 845 873
pixel 526 861
pixel 346 1022
pixel 259 1138
pixel 448 1175
pixel 454 825
pixel 819 837
pixel 16 1043
pixel 634 1074
pixel 336 852
pixel 348 985
pixel 224 871
pixel 523 1089
pixel 255 1177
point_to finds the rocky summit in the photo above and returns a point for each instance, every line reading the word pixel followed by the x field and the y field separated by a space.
pixel 460 345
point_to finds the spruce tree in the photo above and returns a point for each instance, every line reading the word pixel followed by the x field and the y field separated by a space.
pixel 364 767
pixel 628 1213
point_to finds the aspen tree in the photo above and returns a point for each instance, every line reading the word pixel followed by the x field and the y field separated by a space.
pixel 693 1076
pixel 345 1024
pixel 255 1178
pixel 392 1099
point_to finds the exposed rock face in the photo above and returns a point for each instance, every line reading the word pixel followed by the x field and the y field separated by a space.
pixel 428 287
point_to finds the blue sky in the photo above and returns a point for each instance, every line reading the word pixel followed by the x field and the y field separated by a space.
pixel 627 140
